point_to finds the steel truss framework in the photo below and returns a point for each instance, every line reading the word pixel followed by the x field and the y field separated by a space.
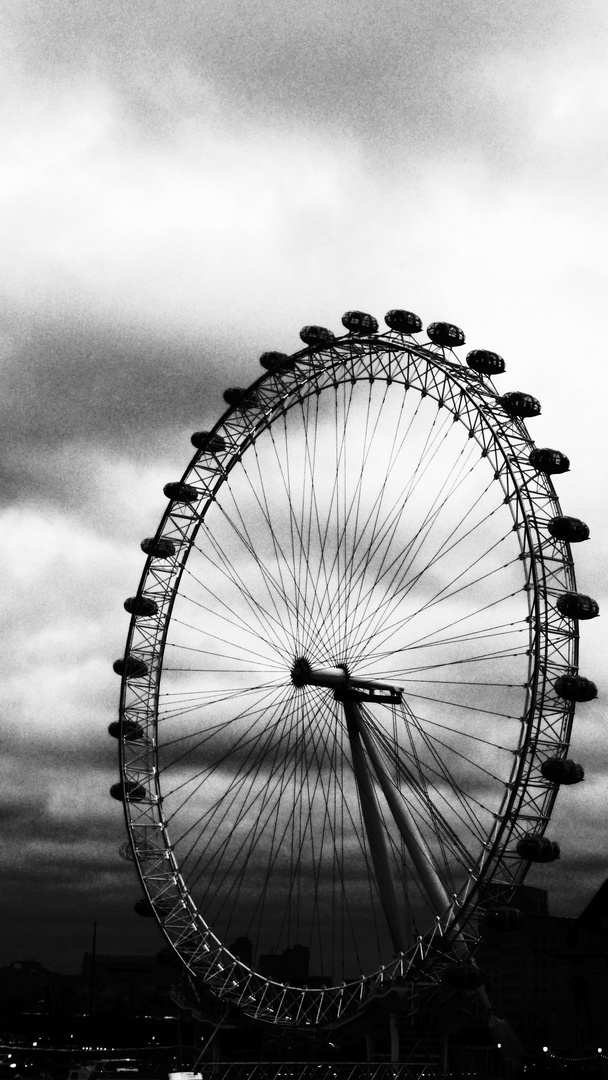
pixel 323 1070
pixel 545 724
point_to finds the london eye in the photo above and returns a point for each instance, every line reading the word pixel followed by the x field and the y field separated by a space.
pixel 350 674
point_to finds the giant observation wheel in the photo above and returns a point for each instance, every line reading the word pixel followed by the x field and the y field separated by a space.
pixel 350 673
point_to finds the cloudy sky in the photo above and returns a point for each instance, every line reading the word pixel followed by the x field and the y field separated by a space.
pixel 184 185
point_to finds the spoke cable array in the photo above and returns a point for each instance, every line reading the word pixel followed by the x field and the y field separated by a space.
pixel 367 508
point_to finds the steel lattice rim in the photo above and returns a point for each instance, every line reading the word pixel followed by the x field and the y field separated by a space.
pixel 473 401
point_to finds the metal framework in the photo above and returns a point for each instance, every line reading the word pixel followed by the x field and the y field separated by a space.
pixel 404 369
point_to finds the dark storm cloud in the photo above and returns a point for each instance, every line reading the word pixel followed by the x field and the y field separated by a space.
pixel 51 778
pixel 62 869
pixel 83 392
pixel 73 378
pixel 384 70
pixel 52 902
pixel 572 881
pixel 185 176
pixel 88 364
pixel 92 762
pixel 35 821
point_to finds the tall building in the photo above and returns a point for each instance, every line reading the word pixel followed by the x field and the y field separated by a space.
pixel 550 977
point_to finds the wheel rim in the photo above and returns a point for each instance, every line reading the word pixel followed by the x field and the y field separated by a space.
pixel 418 559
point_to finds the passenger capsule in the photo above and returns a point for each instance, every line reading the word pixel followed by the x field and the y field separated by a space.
pixel 445 333
pixel 485 363
pixel 517 404
pixel 131 730
pixel 548 461
pixel 359 322
pixel 241 397
pixel 568 528
pixel 562 771
pixel 316 335
pixel 463 976
pixel 273 360
pixel 141 606
pixel 130 667
pixel 161 548
pixel 206 440
pixel 575 688
pixel 145 849
pixel 404 322
pixel 503 920
pixel 178 491
pixel 577 606
pixel 539 849
pixel 144 908
pixel 148 910
pixel 129 790
pixel 168 958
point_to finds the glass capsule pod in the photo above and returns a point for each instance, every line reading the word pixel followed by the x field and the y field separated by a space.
pixel 144 908
pixel 539 849
pixel 168 958
pixel 575 688
pixel 128 789
pixel 577 606
pixel 571 529
pixel 142 606
pixel 241 397
pixel 404 322
pixel 446 334
pixel 273 360
pixel 131 667
pixel 206 440
pixel 161 548
pixel 359 322
pixel 548 461
pixel 562 771
pixel 131 730
pixel 485 362
pixel 316 335
pixel 515 403
pixel 178 491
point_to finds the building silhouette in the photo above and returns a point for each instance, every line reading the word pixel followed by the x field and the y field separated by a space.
pixel 549 977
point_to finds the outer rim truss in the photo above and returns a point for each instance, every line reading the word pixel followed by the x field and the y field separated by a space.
pixel 548 571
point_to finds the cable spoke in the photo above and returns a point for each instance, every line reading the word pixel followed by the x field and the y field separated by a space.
pixel 345 521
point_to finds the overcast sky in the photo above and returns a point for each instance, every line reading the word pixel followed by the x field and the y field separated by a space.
pixel 184 185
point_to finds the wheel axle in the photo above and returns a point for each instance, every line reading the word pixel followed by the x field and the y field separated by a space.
pixel 345 685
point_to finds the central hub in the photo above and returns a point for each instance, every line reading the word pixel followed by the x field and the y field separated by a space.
pixel 302 674
pixel 339 680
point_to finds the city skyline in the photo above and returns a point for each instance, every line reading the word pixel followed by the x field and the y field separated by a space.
pixel 167 221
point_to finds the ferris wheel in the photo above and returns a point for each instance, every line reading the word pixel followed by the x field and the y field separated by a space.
pixel 350 673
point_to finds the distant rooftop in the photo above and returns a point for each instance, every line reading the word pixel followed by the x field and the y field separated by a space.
pixel 528 898
pixel 595 915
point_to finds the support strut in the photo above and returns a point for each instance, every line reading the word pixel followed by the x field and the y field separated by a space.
pixel 368 762
pixel 366 757
pixel 378 843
